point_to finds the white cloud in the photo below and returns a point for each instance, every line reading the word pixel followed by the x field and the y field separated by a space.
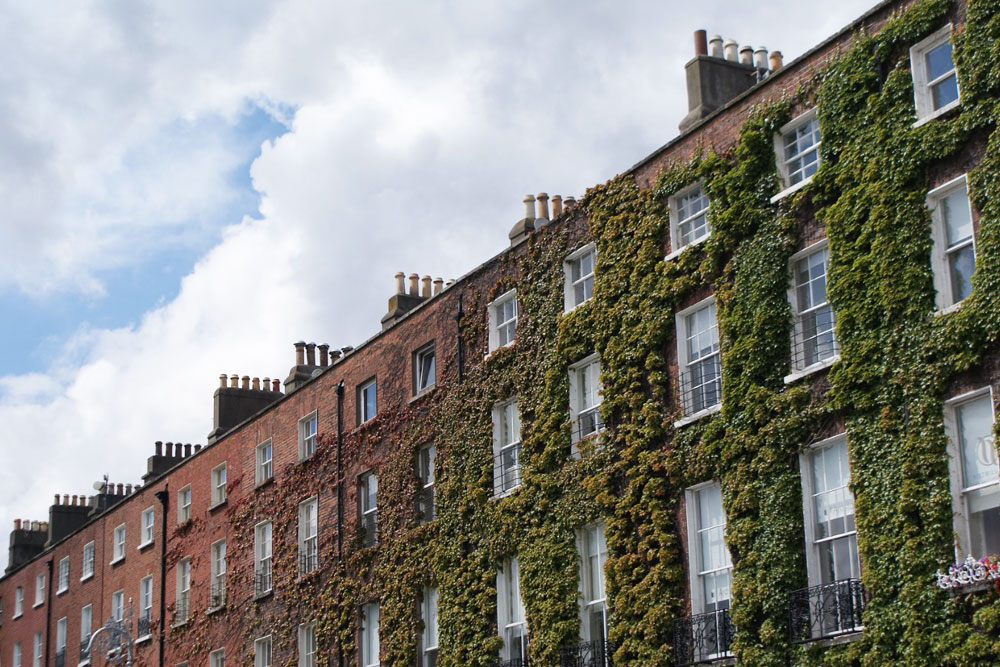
pixel 417 128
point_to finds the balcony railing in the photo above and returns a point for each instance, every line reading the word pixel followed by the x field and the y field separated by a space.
pixel 813 338
pixel 425 504
pixel 587 654
pixel 703 638
pixel 182 608
pixel 588 423
pixel 262 582
pixel 143 625
pixel 60 658
pixel 369 529
pixel 507 470
pixel 826 610
pixel 84 653
pixel 513 662
pixel 217 595
pixel 701 385
pixel 308 560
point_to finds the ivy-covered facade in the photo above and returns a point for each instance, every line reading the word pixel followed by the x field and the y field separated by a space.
pixel 734 406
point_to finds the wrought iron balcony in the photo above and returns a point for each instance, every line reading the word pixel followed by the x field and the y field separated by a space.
pixel 425 504
pixel 703 638
pixel 217 595
pixel 826 610
pixel 182 608
pixel 701 385
pixel 262 582
pixel 588 423
pixel 369 529
pixel 143 625
pixel 60 658
pixel 308 560
pixel 84 653
pixel 587 654
pixel 507 470
pixel 513 662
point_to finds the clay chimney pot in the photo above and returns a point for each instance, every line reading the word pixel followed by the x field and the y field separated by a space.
pixel 425 287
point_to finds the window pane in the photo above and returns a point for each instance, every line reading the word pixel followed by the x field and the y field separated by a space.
pixel 975 431
pixel 944 92
pixel 957 218
pixel 938 61
pixel 961 264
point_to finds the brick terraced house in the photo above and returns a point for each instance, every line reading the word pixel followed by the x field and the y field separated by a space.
pixel 735 405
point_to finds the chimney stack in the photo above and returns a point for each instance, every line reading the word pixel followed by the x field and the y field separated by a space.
pixel 523 228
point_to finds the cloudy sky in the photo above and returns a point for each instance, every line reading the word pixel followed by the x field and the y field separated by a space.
pixel 189 187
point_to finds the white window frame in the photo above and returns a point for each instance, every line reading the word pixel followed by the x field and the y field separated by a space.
pixel 683 362
pixel 500 446
pixel 813 568
pixel 148 527
pixel 218 573
pixel 184 505
pixel 86 626
pixel 146 602
pixel 87 568
pixel 426 460
pixel 694 546
pixel 923 100
pixel 217 658
pixel 118 605
pixel 569 285
pixel 495 324
pixel 118 544
pixel 62 629
pixel 219 474
pixel 18 602
pixel 677 244
pixel 63 580
pixel 420 359
pixel 39 589
pixel 182 597
pixel 577 374
pixel 262 652
pixel 429 634
pixel 510 611
pixel 16 655
pixel 368 514
pixel 308 535
pixel 264 462
pixel 367 412
pixel 263 549
pixel 798 371
pixel 307 644
pixel 779 152
pixel 38 654
pixel 308 429
pixel 959 510
pixel 939 261
pixel 369 636
pixel 590 600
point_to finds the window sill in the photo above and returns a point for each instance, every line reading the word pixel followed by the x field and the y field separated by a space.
pixel 789 190
pixel 214 610
pixel 179 624
pixel 264 483
pixel 834 640
pixel 506 493
pixel 61 591
pixel 263 595
pixel 84 663
pixel 37 605
pixel 694 244
pixel 86 577
pixel 221 503
pixel 144 545
pixel 117 560
pixel 936 114
pixel 950 309
pixel 569 310
pixel 809 370
pixel 422 393
pixel 684 421
pixel 492 351
pixel 143 639
pixel 16 616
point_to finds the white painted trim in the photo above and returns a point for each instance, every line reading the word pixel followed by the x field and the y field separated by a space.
pixel 684 421
pixel 675 218
pixel 694 244
pixel 680 333
pixel 809 370
pixel 568 296
pixel 808 516
pixel 574 398
pixel 494 335
pixel 779 151
pixel 939 266
pixel 921 100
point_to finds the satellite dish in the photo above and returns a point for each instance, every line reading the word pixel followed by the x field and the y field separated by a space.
pixel 98 486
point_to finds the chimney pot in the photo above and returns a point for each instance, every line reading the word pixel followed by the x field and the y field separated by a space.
pixel 311 354
pixel 265 384
pixel 300 353
pixel 700 43
pixel 197 448
pixel 222 380
pixel 760 57
pixel 246 381
pixel 400 282
pixel 324 355
pixel 569 202
pixel 731 48
pixel 120 489
pixel 529 207
pixel 65 499
pixel 158 448
pixel 334 355
pixel 34 525
pixel 255 384
pixel 170 449
pixel 187 450
pixel 715 46
pixel 449 284
pixel 775 61
pixel 414 287
pixel 425 287
pixel 277 384
pixel 57 500
pixel 746 55
pixel 234 381
pixel 557 202
pixel 17 524
pixel 128 489
pixel 438 286
pixel 75 498
pixel 543 206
